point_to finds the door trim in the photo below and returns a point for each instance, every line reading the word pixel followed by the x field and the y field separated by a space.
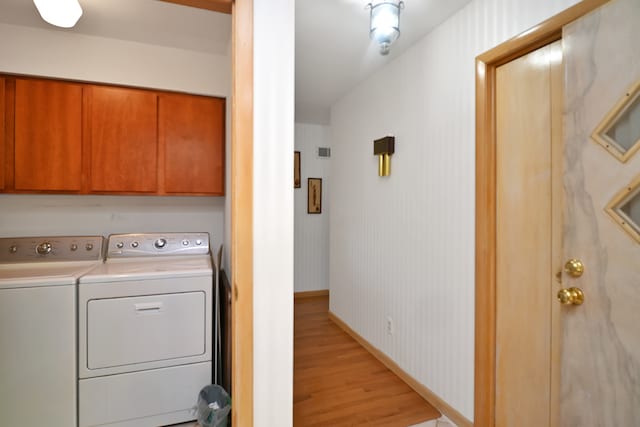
pixel 485 246
pixel 242 214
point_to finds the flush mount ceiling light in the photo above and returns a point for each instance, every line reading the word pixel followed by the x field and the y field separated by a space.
pixel 384 23
pixel 61 13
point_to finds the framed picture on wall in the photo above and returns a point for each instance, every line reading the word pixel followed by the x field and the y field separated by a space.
pixel 296 169
pixel 314 195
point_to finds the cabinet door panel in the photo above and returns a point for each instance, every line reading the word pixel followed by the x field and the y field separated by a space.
pixel 123 127
pixel 192 134
pixel 3 147
pixel 48 135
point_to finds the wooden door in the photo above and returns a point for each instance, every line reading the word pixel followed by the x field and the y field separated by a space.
pixel 122 132
pixel 528 139
pixel 592 346
pixel 192 135
pixel 48 135
pixel 601 343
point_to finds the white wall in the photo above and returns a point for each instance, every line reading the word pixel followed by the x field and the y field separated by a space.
pixel 273 71
pixel 403 246
pixel 70 55
pixel 42 215
pixel 67 55
pixel 311 231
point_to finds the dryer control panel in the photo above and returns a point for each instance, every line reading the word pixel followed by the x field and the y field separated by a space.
pixel 154 244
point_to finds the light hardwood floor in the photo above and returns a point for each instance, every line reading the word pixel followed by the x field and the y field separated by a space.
pixel 338 383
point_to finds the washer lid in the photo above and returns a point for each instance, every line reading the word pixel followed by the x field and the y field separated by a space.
pixel 26 275
pixel 128 269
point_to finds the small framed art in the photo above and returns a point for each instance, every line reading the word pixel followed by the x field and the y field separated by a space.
pixel 296 169
pixel 314 195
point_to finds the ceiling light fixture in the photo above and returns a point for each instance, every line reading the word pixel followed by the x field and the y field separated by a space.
pixel 384 23
pixel 61 13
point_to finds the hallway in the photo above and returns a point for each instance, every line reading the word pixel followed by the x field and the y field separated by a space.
pixel 338 383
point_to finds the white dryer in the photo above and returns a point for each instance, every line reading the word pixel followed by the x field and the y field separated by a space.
pixel 38 342
pixel 145 331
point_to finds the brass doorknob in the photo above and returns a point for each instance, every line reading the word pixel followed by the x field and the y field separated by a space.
pixel 574 267
pixel 571 296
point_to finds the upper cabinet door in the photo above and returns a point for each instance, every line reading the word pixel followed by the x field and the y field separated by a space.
pixel 3 147
pixel 122 127
pixel 192 137
pixel 48 135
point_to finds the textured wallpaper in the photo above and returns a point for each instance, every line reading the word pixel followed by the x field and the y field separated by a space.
pixel 403 246
pixel 311 242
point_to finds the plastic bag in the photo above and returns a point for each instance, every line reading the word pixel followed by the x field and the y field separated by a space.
pixel 214 405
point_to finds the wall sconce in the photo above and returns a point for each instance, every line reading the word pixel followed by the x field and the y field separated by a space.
pixel 384 23
pixel 384 148
pixel 61 13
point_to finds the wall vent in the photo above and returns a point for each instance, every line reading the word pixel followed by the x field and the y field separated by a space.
pixel 324 152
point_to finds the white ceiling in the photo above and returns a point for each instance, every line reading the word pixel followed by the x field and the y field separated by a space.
pixel 333 50
pixel 145 21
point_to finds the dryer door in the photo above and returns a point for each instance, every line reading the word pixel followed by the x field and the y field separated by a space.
pixel 141 329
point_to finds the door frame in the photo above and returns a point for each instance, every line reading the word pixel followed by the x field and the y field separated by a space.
pixel 242 213
pixel 486 208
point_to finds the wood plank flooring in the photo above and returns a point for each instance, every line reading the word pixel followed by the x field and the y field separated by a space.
pixel 338 383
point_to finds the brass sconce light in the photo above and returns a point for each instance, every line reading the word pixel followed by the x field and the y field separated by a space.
pixel 384 148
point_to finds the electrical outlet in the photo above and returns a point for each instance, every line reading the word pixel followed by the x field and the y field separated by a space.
pixel 390 328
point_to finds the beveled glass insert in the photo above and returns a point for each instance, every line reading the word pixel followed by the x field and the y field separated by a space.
pixel 624 208
pixel 626 130
pixel 619 131
pixel 632 210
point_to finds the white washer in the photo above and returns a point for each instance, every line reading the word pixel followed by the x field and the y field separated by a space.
pixel 145 333
pixel 38 342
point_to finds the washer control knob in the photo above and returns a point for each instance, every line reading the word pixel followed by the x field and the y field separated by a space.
pixel 74 247
pixel 134 244
pixel 89 246
pixel 13 249
pixel 119 245
pixel 160 243
pixel 185 243
pixel 44 248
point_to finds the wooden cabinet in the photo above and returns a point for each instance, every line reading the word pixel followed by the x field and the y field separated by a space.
pixel 3 146
pixel 48 135
pixel 66 137
pixel 191 135
pixel 123 139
